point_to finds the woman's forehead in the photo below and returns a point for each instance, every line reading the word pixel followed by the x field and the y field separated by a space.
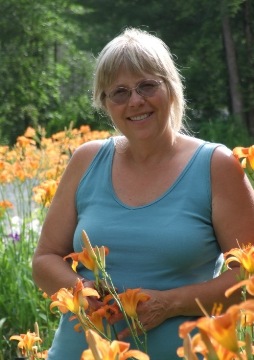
pixel 124 71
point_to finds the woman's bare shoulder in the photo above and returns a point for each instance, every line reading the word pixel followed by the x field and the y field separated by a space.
pixel 189 142
pixel 224 162
pixel 89 148
pixel 81 159
pixel 85 153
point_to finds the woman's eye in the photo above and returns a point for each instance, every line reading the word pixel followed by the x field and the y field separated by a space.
pixel 120 91
pixel 147 86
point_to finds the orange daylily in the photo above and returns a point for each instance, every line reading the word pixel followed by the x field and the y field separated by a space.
pixel 102 349
pixel 130 299
pixel 84 258
pixel 247 313
pixel 72 300
pixel 103 312
pixel 191 346
pixel 61 135
pixel 186 327
pixel 97 253
pixel 26 341
pixel 74 265
pixel 30 132
pixel 5 204
pixel 45 192
pixel 245 154
pixel 89 255
pixel 221 329
pixel 96 317
pixel 196 345
pixel 48 160
pixel 3 149
pixel 84 129
pixel 244 256
pixel 24 141
pixel 249 283
pixel 42 354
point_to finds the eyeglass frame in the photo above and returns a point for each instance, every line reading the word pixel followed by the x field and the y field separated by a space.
pixel 129 91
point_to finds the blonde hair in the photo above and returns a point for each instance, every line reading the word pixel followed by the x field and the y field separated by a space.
pixel 140 52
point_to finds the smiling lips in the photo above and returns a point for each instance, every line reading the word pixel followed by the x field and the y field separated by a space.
pixel 140 117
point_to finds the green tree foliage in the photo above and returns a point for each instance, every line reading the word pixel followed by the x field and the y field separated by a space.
pixel 44 78
pixel 47 49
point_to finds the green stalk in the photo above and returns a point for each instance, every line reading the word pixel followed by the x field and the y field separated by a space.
pixel 111 289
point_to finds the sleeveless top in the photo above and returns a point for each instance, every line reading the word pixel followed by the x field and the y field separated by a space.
pixel 165 244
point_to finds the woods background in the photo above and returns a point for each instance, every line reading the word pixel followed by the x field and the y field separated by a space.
pixel 47 52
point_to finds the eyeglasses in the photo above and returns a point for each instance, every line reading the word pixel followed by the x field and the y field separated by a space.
pixel 146 88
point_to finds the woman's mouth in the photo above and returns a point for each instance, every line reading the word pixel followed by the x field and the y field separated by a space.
pixel 139 117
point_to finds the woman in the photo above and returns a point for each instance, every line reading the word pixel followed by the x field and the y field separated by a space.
pixel 166 204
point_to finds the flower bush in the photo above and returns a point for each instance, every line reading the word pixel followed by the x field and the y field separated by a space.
pixel 29 174
pixel 28 344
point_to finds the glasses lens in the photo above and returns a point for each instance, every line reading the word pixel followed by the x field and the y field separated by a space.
pixel 148 87
pixel 120 95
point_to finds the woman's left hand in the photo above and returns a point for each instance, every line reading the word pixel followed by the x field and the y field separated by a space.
pixel 150 313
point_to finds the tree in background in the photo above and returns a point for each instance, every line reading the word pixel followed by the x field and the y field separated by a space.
pixel 238 35
pixel 47 52
pixel 44 78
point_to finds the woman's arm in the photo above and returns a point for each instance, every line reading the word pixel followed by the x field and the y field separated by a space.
pixel 233 222
pixel 50 271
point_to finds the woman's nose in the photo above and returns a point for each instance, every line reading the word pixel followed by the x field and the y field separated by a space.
pixel 135 98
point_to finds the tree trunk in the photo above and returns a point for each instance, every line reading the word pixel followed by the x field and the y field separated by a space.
pixel 234 83
pixel 250 53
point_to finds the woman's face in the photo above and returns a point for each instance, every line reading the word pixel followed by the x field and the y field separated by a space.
pixel 140 117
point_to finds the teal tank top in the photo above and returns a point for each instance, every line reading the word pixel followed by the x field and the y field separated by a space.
pixel 165 244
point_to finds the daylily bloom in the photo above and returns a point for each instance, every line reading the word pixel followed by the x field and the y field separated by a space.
pixel 249 283
pixel 24 141
pixel 97 317
pixel 90 257
pixel 191 346
pixel 26 341
pixel 221 329
pixel 45 192
pixel 186 327
pixel 244 256
pixel 247 314
pixel 84 129
pixel 196 345
pixel 130 299
pixel 74 265
pixel 72 300
pixel 84 258
pixel 101 349
pixel 245 154
pixel 103 312
pixel 5 204
pixel 42 354
pixel 98 254
pixel 30 132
